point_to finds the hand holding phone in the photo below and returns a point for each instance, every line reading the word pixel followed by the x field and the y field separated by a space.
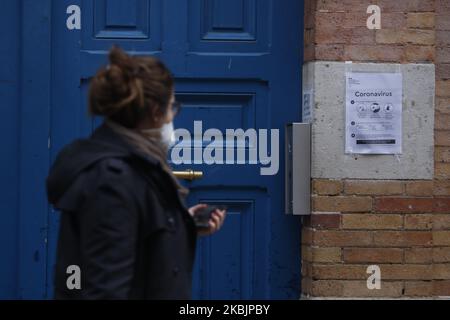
pixel 203 216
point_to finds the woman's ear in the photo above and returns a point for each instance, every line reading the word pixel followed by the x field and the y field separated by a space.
pixel 158 117
pixel 151 120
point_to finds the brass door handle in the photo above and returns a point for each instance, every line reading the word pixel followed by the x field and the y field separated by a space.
pixel 190 175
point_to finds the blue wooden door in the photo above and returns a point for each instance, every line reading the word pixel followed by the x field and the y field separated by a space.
pixel 24 105
pixel 9 115
pixel 237 64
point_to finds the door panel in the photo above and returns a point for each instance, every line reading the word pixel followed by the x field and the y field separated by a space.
pixel 119 22
pixel 229 265
pixel 229 26
pixel 237 65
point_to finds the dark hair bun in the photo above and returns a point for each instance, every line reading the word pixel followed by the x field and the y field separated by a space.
pixel 129 87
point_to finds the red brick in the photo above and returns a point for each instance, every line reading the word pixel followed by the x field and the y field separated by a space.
pixel 420 188
pixel 342 204
pixel 309 53
pixel 310 7
pixel 404 205
pixel 442 138
pixel 330 52
pixel 339 271
pixel 327 187
pixel 342 238
pixel 412 36
pixel 441 271
pixel 307 236
pixel 326 288
pixel 373 255
pixel 421 20
pixel 443 104
pixel 327 255
pixel 442 21
pixel 441 238
pixel 402 238
pixel 306 286
pixel 307 270
pixel 372 221
pixel 418 288
pixel 442 6
pixel 309 20
pixel 416 53
pixel 326 19
pixel 419 255
pixel 442 154
pixel 441 254
pixel 332 34
pixel 388 272
pixel 441 288
pixel 393 20
pixel 364 187
pixel 326 221
pixel 356 289
pixel 418 222
pixel 354 19
pixel 386 53
pixel 442 38
pixel 443 72
pixel 407 272
pixel 410 5
pixel 441 221
pixel 442 187
pixel 309 36
pixel 362 36
pixel 306 253
pixel 310 14
pixel 336 6
pixel 442 170
pixel 405 6
pixel 443 88
pixel 442 121
pixel 443 55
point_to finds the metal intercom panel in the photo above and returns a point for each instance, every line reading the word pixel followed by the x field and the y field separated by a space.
pixel 298 169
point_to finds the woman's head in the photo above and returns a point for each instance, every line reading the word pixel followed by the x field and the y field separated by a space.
pixel 136 92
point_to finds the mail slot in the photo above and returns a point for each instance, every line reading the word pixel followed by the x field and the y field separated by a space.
pixel 298 169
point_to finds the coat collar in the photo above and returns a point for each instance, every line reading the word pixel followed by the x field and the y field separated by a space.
pixel 107 135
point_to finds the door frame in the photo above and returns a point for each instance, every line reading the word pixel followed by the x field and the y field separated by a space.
pixel 34 158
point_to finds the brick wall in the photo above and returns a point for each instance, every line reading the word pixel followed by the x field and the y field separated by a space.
pixel 335 30
pixel 402 226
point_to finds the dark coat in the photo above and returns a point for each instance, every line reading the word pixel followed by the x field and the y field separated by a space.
pixel 122 222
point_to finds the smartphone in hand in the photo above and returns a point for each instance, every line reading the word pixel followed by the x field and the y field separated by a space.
pixel 203 216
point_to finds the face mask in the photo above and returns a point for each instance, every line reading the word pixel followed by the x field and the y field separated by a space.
pixel 167 132
pixel 168 135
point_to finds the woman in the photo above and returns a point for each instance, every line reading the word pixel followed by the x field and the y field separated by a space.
pixel 124 222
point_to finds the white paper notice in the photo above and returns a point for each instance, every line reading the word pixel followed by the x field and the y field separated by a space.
pixel 374 113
